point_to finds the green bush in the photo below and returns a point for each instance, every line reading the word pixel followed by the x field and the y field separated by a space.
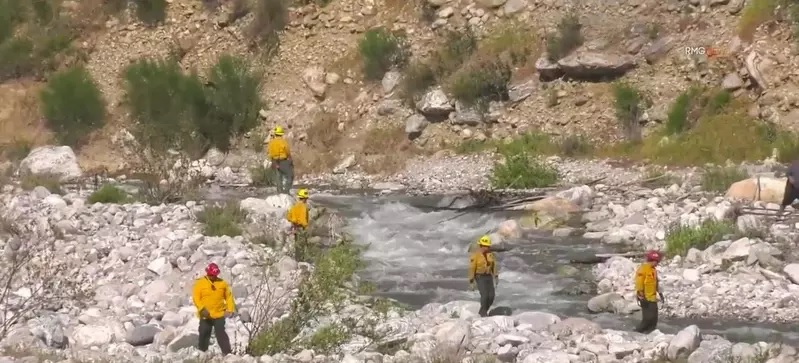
pixel 270 17
pixel 164 102
pixel 322 290
pixel 16 150
pixel 263 177
pixel 677 119
pixel 522 171
pixel 32 34
pixel 222 220
pixel 481 84
pixel 575 146
pixel 72 105
pixel 175 110
pixel 381 51
pixel 719 179
pixel 109 194
pixel 151 12
pixel 680 239
pixel 629 107
pixel 418 78
pixel 328 338
pixel 457 48
pixel 49 182
pixel 233 100
pixel 567 38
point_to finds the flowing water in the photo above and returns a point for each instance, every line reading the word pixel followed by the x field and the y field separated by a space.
pixel 417 255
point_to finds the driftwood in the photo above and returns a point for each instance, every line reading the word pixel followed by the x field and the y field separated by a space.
pixel 601 257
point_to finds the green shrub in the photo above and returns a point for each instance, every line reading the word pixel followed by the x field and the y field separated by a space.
pixel 151 12
pixel 159 96
pixel 677 119
pixel 381 51
pixel 457 48
pixel 529 143
pixel 328 338
pixel 16 150
pixel 319 292
pixel 12 13
pixel 755 13
pixel 418 78
pixel 72 105
pixel 109 194
pixel 567 38
pixel 472 146
pixel 522 171
pixel 680 239
pixel 481 84
pixel 49 182
pixel 175 110
pixel 222 220
pixel 234 102
pixel 787 145
pixel 514 44
pixel 270 17
pixel 629 107
pixel 263 177
pixel 719 179
pixel 575 146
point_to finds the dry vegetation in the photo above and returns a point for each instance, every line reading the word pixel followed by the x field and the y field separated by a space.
pixel 385 149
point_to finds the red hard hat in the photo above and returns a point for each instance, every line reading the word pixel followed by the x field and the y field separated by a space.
pixel 212 270
pixel 653 255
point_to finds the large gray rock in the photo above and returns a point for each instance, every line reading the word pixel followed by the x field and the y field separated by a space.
pixel 596 65
pixel 435 103
pixel 547 70
pixel 142 335
pixel 684 343
pixel 415 124
pixel 56 161
pixel 314 79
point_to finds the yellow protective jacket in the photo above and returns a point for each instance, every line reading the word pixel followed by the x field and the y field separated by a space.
pixel 214 296
pixel 646 282
pixel 278 149
pixel 482 264
pixel 298 215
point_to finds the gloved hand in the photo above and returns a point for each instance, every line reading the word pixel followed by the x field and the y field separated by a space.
pixel 496 281
pixel 204 313
pixel 229 314
pixel 471 285
pixel 660 295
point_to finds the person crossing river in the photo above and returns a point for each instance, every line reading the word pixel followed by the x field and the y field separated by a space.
pixel 278 152
pixel 483 273
pixel 647 290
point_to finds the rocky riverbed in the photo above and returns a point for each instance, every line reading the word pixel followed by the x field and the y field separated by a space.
pixel 129 268
pixel 133 264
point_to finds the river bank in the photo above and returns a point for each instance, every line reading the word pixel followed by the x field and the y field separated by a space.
pixel 135 261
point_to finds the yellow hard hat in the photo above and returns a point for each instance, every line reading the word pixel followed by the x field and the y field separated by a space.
pixel 302 194
pixel 278 131
pixel 484 241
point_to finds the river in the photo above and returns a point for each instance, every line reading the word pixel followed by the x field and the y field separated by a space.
pixel 417 255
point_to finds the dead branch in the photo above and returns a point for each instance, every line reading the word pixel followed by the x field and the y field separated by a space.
pixel 38 274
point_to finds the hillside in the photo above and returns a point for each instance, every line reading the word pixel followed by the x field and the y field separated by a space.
pixel 314 83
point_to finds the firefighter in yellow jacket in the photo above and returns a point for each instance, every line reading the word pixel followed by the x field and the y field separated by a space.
pixel 483 273
pixel 214 302
pixel 647 291
pixel 298 213
pixel 279 154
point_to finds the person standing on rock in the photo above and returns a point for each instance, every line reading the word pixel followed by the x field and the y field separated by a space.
pixel 214 302
pixel 647 291
pixel 279 154
pixel 483 273
pixel 791 186
pixel 297 215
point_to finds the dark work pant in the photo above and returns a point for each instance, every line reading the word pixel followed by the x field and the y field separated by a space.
pixel 285 178
pixel 791 194
pixel 485 284
pixel 218 327
pixel 649 317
